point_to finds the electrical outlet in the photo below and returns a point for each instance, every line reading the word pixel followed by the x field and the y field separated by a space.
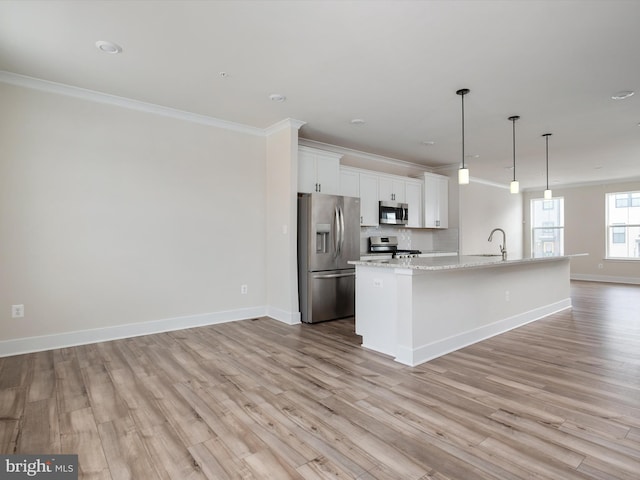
pixel 377 282
pixel 600 265
pixel 506 295
pixel 244 289
pixel 17 311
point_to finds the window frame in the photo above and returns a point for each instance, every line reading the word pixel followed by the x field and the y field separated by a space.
pixel 545 229
pixel 629 201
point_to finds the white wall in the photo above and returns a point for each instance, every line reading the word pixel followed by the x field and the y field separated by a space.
pixel 111 216
pixel 281 228
pixel 585 231
pixel 483 207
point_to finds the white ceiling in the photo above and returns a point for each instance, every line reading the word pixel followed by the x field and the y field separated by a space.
pixel 395 64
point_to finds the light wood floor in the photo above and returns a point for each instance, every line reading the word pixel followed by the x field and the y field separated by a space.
pixel 556 399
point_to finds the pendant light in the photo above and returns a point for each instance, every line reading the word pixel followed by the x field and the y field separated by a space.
pixel 463 173
pixel 515 185
pixel 547 193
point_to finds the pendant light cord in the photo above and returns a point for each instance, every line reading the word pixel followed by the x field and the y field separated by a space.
pixel 547 139
pixel 462 92
pixel 462 130
pixel 513 121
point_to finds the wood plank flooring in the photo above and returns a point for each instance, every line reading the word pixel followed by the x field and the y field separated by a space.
pixel 257 399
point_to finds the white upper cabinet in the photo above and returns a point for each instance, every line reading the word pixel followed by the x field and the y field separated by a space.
pixel 372 187
pixel 318 171
pixel 413 198
pixel 436 201
pixel 349 182
pixel 392 189
pixel 369 214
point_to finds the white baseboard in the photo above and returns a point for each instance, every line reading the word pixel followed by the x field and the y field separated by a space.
pixel 424 353
pixel 605 278
pixel 82 337
pixel 290 318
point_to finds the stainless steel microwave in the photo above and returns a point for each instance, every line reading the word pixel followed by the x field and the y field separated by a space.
pixel 394 213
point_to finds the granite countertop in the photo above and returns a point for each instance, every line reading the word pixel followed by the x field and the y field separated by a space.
pixel 453 262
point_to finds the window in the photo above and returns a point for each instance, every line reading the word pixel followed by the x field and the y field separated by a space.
pixel 619 234
pixel 547 227
pixel 628 199
pixel 623 225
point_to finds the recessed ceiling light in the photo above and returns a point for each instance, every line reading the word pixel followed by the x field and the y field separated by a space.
pixel 108 47
pixel 622 95
pixel 428 142
pixel 276 97
pixel 357 121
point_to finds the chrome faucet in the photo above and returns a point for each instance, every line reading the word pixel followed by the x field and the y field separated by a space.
pixel 503 247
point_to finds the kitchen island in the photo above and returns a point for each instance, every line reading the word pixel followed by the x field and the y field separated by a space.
pixel 417 309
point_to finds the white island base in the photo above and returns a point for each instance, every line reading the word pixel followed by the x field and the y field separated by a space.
pixel 421 308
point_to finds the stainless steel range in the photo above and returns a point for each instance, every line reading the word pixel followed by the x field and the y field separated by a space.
pixel 389 245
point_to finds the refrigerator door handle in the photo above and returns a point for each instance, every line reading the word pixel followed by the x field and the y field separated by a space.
pixel 341 229
pixel 336 275
pixel 336 231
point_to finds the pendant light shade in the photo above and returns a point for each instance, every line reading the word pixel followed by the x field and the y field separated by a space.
pixel 463 176
pixel 463 173
pixel 548 195
pixel 515 185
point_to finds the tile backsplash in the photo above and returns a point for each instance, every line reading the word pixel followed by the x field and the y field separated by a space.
pixel 425 240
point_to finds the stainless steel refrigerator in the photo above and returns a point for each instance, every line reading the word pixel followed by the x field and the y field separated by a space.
pixel 328 237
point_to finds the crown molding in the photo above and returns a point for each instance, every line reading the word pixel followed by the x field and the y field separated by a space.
pixel 444 169
pixel 364 155
pixel 287 123
pixel 105 98
pixel 594 183
pixel 489 183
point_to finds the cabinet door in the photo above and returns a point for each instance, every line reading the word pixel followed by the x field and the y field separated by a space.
pixel 369 200
pixel 436 201
pixel 399 191
pixel 385 189
pixel 414 200
pixel 349 183
pixel 391 189
pixel 318 171
pixel 328 174
pixel 306 172
pixel 443 202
